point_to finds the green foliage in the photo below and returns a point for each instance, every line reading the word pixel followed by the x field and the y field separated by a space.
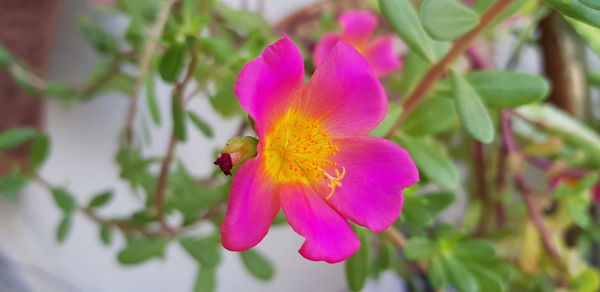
pixel 12 183
pixel 431 160
pixel 470 109
pixel 64 200
pixel 257 264
pixel 508 89
pixel 64 228
pixel 171 62
pixel 15 137
pixel 40 149
pixel 357 266
pixel 151 100
pixel 201 124
pixel 577 10
pixel 98 38
pixel 179 118
pixel 433 116
pixel 420 210
pixel 205 250
pixel 5 57
pixel 142 249
pixel 100 199
pixel 445 20
pixel 206 280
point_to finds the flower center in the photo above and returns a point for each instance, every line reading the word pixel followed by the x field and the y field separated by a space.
pixel 298 150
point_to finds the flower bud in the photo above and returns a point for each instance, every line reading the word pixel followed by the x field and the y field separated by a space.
pixel 236 151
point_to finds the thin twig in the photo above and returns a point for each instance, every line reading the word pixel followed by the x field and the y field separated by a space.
pixel 436 71
pixel 143 66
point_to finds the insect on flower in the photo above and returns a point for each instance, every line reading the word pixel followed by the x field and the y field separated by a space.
pixel 313 159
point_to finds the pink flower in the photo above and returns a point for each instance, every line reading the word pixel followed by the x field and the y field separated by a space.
pixel 313 159
pixel 357 28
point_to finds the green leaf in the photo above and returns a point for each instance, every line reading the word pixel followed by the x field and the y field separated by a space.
pixel 487 280
pixel 475 249
pixel 586 281
pixel 98 38
pixel 15 137
pixel 434 115
pixel 12 183
pixel 394 111
pixel 5 57
pixel 225 102
pixel 595 4
pixel 201 124
pixel 151 99
pixel 420 248
pixel 178 112
pixel 413 70
pixel 436 274
pixel 64 200
pixel 470 109
pixel 105 234
pixel 100 199
pixel 258 266
pixel 430 159
pixel 590 34
pixel 40 149
pixel 243 20
pixel 437 202
pixel 459 276
pixel 206 280
pixel 577 10
pixel 508 89
pixel 415 211
pixel 387 255
pixel 205 250
pixel 357 266
pixel 445 20
pixel 64 228
pixel 594 77
pixel 404 20
pixel 171 63
pixel 140 250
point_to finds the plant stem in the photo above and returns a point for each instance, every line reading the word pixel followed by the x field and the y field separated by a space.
pixel 143 66
pixel 533 211
pixel 437 70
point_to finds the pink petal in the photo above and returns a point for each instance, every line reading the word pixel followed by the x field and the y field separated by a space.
pixel 324 46
pixel 328 236
pixel 265 85
pixel 596 193
pixel 382 57
pixel 377 171
pixel 345 93
pixel 357 25
pixel 252 206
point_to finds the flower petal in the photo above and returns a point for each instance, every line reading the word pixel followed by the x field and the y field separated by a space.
pixel 382 57
pixel 357 25
pixel 252 206
pixel 324 46
pixel 328 236
pixel 345 94
pixel 377 171
pixel 265 85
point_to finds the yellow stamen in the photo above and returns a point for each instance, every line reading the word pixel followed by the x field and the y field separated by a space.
pixel 335 181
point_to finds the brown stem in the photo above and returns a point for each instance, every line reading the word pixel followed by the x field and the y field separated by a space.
pixel 437 70
pixel 533 211
pixel 479 168
pixel 143 66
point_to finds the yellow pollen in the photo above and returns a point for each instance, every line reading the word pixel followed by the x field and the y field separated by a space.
pixel 298 150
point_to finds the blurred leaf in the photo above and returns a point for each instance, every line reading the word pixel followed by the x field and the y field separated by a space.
pixel 12 183
pixel 576 10
pixel 430 158
pixel 475 249
pixel 205 250
pixel 15 137
pixel 404 20
pixel 446 20
pixel 470 109
pixel 97 37
pixel 436 274
pixel 201 124
pixel 206 280
pixel 487 280
pixel 64 228
pixel 387 256
pixel 258 266
pixel 140 250
pixel 459 276
pixel 179 123
pixel 590 34
pixel 151 99
pixel 413 69
pixel 586 281
pixel 5 56
pixel 570 129
pixel 438 201
pixel 432 116
pixel 171 63
pixel 100 199
pixel 243 20
pixel 225 102
pixel 64 200
pixel 357 266
pixel 591 3
pixel 420 248
pixel 134 167
pixel 105 234
pixel 40 149
pixel 594 77
pixel 388 122
pixel 508 89
pixel 219 48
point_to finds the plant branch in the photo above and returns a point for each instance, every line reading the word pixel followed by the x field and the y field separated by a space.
pixel 143 66
pixel 437 70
